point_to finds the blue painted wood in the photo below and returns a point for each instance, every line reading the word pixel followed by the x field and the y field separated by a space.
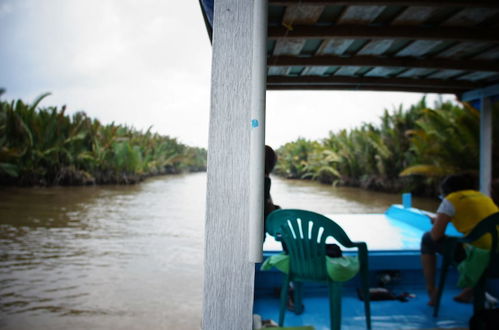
pixel 476 94
pixel 416 218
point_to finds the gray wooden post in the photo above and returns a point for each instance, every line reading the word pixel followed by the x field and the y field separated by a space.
pixel 485 145
pixel 257 156
pixel 228 273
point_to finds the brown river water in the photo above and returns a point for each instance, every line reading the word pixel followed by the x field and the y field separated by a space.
pixel 126 257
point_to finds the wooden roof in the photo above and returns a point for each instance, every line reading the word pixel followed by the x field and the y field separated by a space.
pixel 445 46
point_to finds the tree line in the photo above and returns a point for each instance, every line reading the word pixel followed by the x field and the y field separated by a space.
pixel 409 150
pixel 45 146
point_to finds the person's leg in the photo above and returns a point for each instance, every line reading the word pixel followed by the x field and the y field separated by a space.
pixel 429 261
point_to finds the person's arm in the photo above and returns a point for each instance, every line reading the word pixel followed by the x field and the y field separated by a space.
pixel 439 224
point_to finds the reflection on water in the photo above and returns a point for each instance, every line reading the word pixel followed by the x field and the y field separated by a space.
pixel 124 257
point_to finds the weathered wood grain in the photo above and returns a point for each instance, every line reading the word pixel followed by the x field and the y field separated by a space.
pixel 491 54
pixel 477 76
pixel 334 46
pixel 461 50
pixel 314 70
pixel 289 46
pixel 419 48
pixel 376 47
pixel 445 74
pixel 360 14
pixel 414 16
pixel 228 275
pixel 415 73
pixel 302 14
pixel 470 17
pixel 347 71
pixel 381 71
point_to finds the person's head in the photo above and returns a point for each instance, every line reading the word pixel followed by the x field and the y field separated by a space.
pixel 457 182
pixel 270 159
pixel 494 191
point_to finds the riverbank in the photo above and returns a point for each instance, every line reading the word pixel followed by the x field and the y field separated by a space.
pixel 44 146
pixel 409 150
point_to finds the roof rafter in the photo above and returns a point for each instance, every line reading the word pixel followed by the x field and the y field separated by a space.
pixel 349 87
pixel 426 3
pixel 385 32
pixel 409 62
pixel 372 81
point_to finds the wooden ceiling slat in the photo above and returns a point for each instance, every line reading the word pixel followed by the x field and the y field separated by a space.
pixel 278 71
pixel 376 47
pixel 476 76
pixel 289 46
pixel 491 54
pixel 299 14
pixel 381 71
pixel 315 70
pixel 419 48
pixel 360 14
pixel 384 32
pixel 347 71
pixel 409 62
pixel 445 74
pixel 414 16
pixel 461 50
pixel 415 73
pixel 470 17
pixel 334 46
pixel 430 3
pixel 454 84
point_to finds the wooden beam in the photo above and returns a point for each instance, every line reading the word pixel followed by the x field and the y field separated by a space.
pixel 438 90
pixel 409 62
pixel 424 3
pixel 228 275
pixel 485 145
pixel 375 81
pixel 478 94
pixel 386 32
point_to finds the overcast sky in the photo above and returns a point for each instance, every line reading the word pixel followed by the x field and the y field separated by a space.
pixel 147 63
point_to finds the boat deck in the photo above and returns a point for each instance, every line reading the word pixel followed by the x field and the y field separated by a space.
pixel 393 242
pixel 389 314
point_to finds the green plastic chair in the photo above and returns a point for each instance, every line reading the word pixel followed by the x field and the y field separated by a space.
pixel 304 233
pixel 486 226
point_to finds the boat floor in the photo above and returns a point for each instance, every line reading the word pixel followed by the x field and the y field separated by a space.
pixel 391 314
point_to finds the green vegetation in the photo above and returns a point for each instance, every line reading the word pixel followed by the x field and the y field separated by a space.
pixel 408 151
pixel 45 146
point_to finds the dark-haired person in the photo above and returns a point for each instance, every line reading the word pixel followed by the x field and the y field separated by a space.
pixel 270 161
pixel 465 207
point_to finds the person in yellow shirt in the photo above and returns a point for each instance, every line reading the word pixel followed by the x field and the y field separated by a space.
pixel 465 207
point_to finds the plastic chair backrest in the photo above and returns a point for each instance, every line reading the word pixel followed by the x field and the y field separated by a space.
pixel 305 233
pixel 488 225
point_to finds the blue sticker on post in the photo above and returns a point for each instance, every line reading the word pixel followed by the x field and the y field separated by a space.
pixel 254 123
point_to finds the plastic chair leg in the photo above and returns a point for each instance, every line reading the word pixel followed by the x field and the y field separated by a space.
pixel 284 300
pixel 447 260
pixel 335 304
pixel 365 292
pixel 298 297
pixel 479 295
pixel 440 288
